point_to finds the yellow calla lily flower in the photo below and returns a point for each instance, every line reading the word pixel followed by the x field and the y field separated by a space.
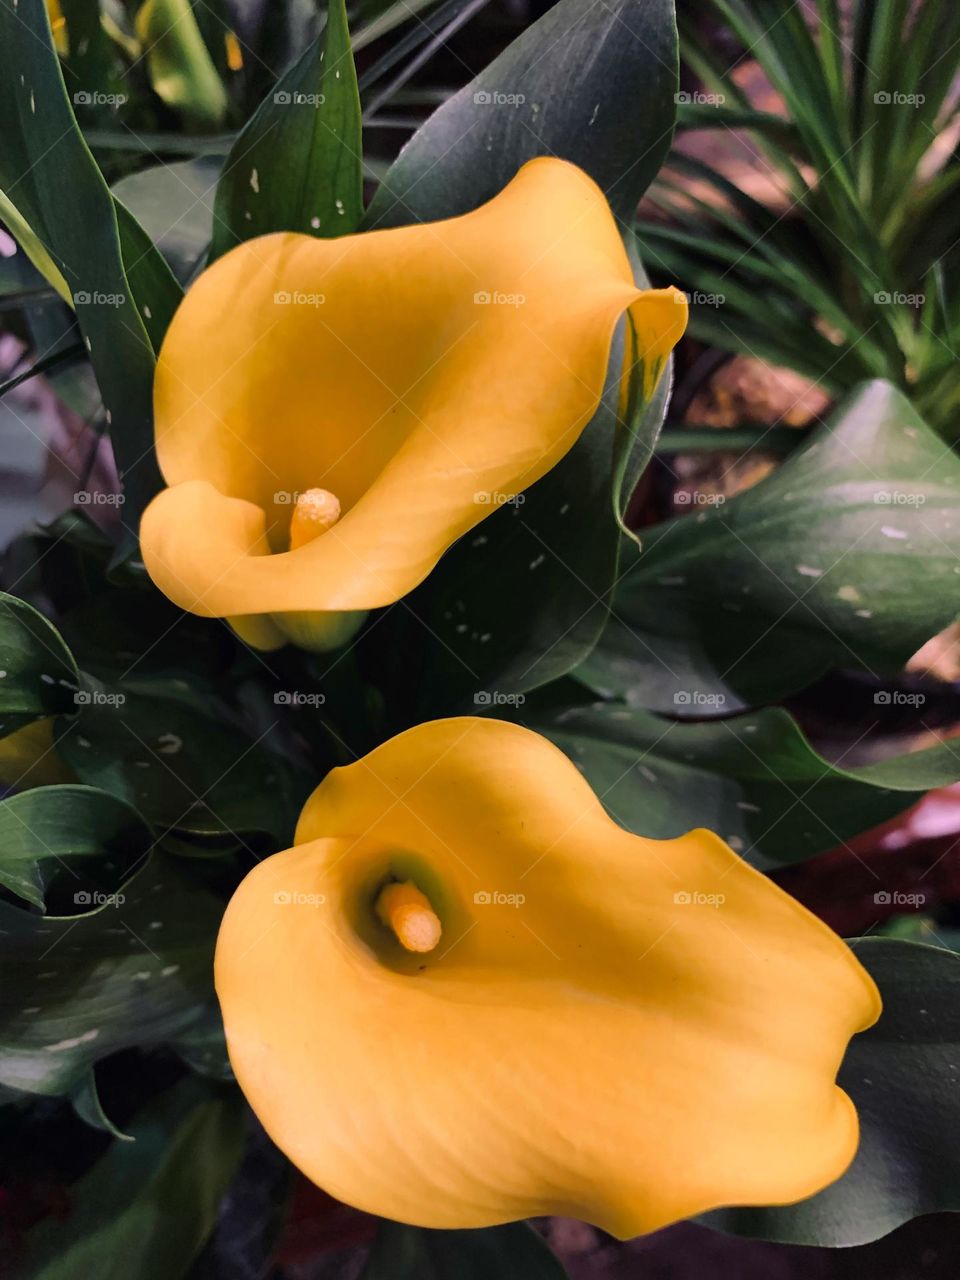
pixel 466 996
pixel 331 415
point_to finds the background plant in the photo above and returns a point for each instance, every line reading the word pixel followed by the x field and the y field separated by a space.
pixel 851 274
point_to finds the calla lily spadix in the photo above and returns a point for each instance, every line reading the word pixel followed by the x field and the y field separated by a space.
pixel 466 996
pixel 331 415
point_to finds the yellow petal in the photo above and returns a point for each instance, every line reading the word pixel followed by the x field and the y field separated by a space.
pixel 28 758
pixel 624 1030
pixel 411 373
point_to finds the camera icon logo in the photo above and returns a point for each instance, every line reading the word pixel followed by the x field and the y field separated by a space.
pixel 882 899
pixel 682 898
pixel 882 698
pixel 482 898
pixel 681 698
pixel 282 898
pixel 282 98
pixel 482 98
pixel 82 898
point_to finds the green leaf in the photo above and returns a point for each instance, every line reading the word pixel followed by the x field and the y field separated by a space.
pixel 179 64
pixel 755 780
pixel 902 1075
pixel 42 156
pixel 174 205
pixel 556 550
pixel 147 1207
pixel 513 1252
pixel 467 632
pixel 86 1103
pixel 177 758
pixel 39 675
pixel 593 84
pixel 296 165
pixel 86 841
pixel 74 991
pixel 847 556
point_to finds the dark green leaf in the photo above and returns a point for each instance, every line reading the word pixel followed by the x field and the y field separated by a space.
pixel 755 780
pixel 86 841
pixel 43 156
pixel 146 1208
pixel 593 84
pixel 902 1075
pixel 74 991
pixel 39 676
pixel 296 166
pixel 514 1252
pixel 847 556
pixel 174 205
pixel 86 1103
pixel 177 758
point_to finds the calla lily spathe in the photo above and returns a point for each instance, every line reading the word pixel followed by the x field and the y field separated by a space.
pixel 466 996
pixel 406 381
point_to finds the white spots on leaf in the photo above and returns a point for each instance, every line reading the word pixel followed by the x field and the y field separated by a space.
pixel 338 204
pixel 808 571
pixel 73 1042
pixel 747 807
pixel 169 971
pixel 593 115
pixel 315 222
pixel 537 562
pixel 850 594
pixel 864 613
pixel 168 744
pixel 254 181
pixel 889 531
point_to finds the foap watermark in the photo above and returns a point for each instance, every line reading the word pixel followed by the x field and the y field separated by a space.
pixel 294 698
pixel 94 98
pixel 494 498
pixel 496 98
pixel 700 299
pixel 694 898
pixel 898 498
pixel 298 298
pixel 96 898
pixel 98 698
pixel 894 298
pixel 893 98
pixel 697 698
pixel 497 298
pixel 494 898
pixel 295 898
pixel 697 498
pixel 294 98
pixel 90 498
pixel 897 698
pixel 98 299
pixel 494 698
pixel 696 98
pixel 896 898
